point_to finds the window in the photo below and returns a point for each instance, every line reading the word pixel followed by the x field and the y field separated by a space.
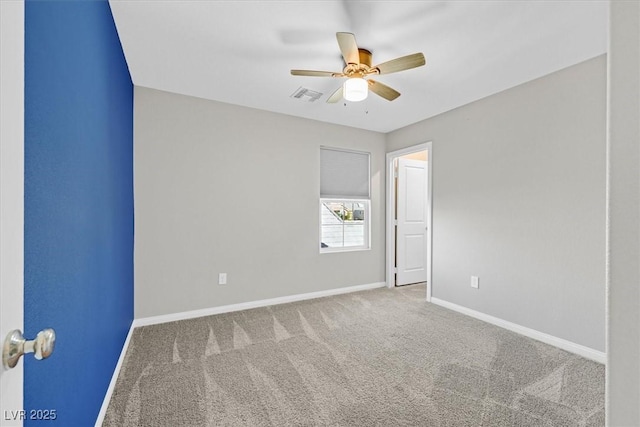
pixel 344 225
pixel 344 200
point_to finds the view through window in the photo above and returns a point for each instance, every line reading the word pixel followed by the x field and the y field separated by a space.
pixel 344 223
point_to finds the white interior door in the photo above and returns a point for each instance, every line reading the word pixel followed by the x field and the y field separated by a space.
pixel 411 244
pixel 11 199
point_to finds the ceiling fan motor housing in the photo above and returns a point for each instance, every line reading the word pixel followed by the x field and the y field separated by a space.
pixel 361 69
pixel 365 57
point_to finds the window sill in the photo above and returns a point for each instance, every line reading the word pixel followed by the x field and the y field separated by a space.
pixel 338 250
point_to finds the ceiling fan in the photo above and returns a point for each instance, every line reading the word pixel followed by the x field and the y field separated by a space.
pixel 358 66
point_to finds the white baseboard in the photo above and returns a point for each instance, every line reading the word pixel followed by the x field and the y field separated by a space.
pixel 580 350
pixel 114 378
pixel 144 321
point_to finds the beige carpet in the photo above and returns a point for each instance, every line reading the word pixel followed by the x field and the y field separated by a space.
pixel 373 358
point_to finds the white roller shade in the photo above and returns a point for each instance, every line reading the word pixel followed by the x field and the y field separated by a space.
pixel 344 174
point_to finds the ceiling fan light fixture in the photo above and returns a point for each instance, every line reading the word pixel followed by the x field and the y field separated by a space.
pixel 355 89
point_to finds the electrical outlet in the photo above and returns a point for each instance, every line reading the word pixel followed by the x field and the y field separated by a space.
pixel 222 279
pixel 475 282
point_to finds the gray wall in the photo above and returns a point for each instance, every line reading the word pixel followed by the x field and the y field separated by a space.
pixel 623 346
pixel 221 188
pixel 519 200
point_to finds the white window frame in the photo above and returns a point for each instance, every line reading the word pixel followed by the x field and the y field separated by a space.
pixel 367 225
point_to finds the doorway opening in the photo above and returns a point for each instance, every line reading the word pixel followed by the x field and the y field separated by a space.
pixel 409 228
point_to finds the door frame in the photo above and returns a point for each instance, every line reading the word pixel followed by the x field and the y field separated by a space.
pixel 11 198
pixel 391 200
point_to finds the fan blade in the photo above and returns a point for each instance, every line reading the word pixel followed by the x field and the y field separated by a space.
pixel 335 96
pixel 402 63
pixel 383 90
pixel 312 73
pixel 349 48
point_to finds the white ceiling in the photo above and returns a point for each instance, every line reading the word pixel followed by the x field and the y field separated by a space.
pixel 240 52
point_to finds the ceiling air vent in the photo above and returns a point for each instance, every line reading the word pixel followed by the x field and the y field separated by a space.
pixel 306 94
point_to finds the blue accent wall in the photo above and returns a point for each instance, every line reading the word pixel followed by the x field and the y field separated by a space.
pixel 78 204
